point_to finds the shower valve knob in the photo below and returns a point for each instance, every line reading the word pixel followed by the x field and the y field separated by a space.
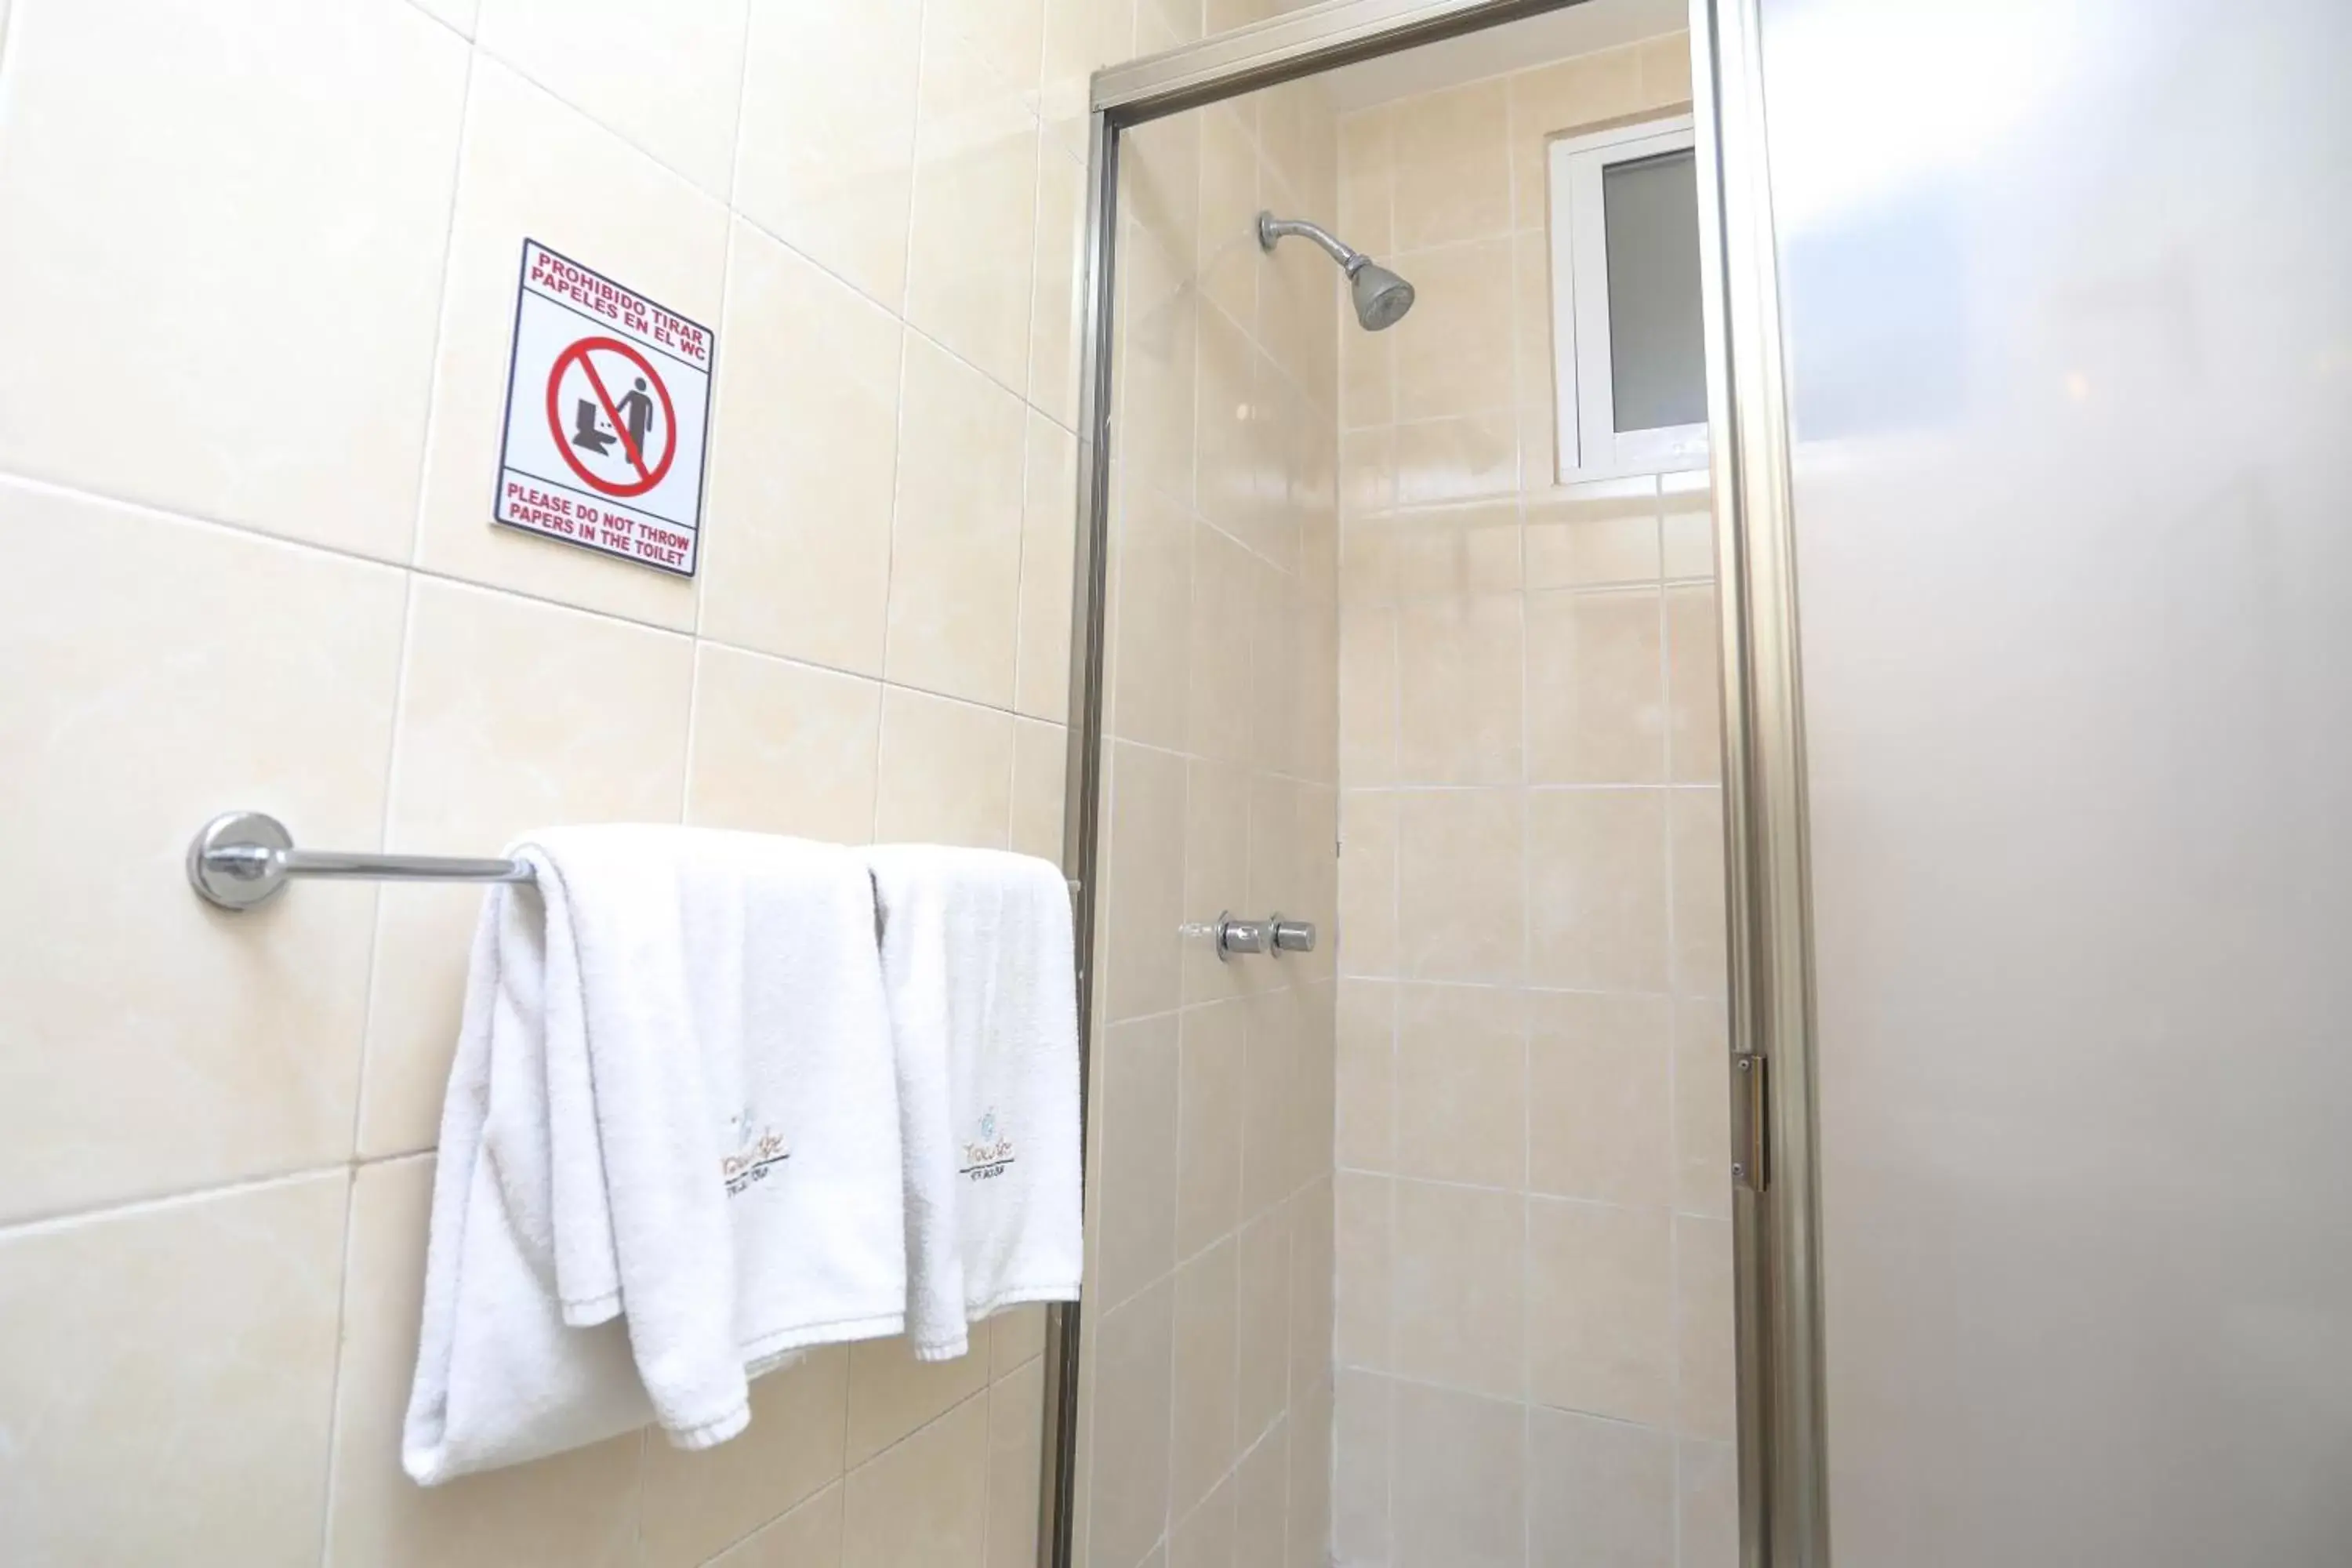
pixel 1235 937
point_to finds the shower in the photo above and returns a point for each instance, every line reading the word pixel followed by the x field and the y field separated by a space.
pixel 1381 297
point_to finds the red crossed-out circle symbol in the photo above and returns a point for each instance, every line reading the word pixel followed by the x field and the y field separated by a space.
pixel 648 476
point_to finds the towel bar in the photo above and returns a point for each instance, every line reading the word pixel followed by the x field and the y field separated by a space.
pixel 241 859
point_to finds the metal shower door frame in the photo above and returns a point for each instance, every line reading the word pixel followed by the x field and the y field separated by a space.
pixel 1782 1454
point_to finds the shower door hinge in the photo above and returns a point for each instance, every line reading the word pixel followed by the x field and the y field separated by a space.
pixel 1751 1122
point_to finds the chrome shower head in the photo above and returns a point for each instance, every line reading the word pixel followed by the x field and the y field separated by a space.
pixel 1381 297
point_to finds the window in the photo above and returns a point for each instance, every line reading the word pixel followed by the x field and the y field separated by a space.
pixel 1629 358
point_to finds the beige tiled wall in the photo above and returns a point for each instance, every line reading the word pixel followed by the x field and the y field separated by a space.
pixel 260 260
pixel 1205 1437
pixel 1532 1207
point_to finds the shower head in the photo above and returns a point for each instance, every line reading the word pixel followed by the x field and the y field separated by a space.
pixel 1381 297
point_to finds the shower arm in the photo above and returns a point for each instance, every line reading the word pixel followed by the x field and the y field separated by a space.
pixel 1271 228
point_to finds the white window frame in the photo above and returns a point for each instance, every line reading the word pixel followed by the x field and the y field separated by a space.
pixel 1589 446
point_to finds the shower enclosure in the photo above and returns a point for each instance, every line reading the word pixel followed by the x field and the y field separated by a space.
pixel 1896 1108
pixel 1415 1247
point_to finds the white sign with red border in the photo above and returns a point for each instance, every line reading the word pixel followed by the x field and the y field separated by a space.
pixel 608 408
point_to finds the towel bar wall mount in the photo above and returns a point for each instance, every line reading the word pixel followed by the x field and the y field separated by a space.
pixel 241 859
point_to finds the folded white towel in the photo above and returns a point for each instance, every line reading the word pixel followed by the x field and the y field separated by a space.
pixel 976 956
pixel 670 1151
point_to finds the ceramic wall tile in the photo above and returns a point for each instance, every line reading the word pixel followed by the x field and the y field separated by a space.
pixel 1462 1103
pixel 779 747
pixel 1139 1088
pixel 1597 916
pixel 807 1537
pixel 1204 1537
pixel 1702 1109
pixel 698 1504
pixel 1462 910
pixel 674 92
pixel 1704 1375
pixel 1528 903
pixel 1461 700
pixel 1458 1292
pixel 117 756
pixel 924 1500
pixel 1606 1492
pixel 1363 1231
pixel 1055 308
pixel 1128 1495
pixel 1360 1440
pixel 1694 680
pixel 1040 757
pixel 1597 708
pixel 797 181
pixel 1262 1320
pixel 1049 525
pixel 1706 1489
pixel 1455 551
pixel 1212 1079
pixel 186 1351
pixel 497 735
pixel 1151 621
pixel 1599 1069
pixel 1580 93
pixel 1261 1500
pixel 1144 897
pixel 1453 351
pixel 1367 1070
pixel 189 291
pixel 1368 916
pixel 1460 1480
pixel 1600 1300
pixel 1016 1436
pixel 1590 534
pixel 1206 1331
pixel 1695 823
pixel 955 538
pixel 1007 37
pixel 945 772
pixel 825 159
pixel 972 249
pixel 1450 172
pixel 804 462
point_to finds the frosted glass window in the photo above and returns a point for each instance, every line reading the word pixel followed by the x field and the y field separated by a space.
pixel 1657 360
pixel 1630 352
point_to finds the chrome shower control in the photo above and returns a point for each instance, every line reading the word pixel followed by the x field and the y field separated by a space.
pixel 1242 936
pixel 1292 936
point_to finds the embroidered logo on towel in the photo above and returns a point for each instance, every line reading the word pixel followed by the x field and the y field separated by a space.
pixel 990 1155
pixel 755 1155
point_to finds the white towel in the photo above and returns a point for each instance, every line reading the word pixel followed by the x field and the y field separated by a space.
pixel 977 957
pixel 669 1153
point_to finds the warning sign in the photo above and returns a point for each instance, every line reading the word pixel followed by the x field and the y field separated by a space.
pixel 608 403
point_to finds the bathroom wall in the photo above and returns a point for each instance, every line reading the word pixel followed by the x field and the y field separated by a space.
pixel 259 266
pixel 1534 1328
pixel 1206 1385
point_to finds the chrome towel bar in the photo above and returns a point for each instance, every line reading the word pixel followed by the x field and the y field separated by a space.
pixel 244 858
pixel 241 859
